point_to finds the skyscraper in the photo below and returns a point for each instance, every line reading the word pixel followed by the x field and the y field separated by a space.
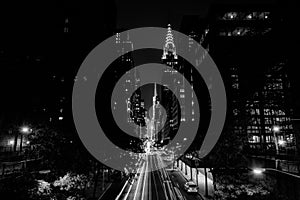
pixel 255 75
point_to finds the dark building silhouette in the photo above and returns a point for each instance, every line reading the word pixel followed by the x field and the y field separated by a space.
pixel 240 39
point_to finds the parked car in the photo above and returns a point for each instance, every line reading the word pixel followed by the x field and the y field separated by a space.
pixel 190 186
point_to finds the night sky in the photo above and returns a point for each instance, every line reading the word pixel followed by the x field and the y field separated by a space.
pixel 159 13
pixel 33 45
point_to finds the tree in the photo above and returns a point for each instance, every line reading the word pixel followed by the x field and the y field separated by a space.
pixel 238 184
pixel 16 188
pixel 231 177
pixel 63 152
pixel 70 186
pixel 60 151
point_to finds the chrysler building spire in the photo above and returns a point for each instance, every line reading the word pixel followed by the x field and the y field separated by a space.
pixel 169 44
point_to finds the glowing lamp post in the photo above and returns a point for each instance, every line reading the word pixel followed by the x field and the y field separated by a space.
pixel 24 130
pixel 11 142
pixel 276 129
pixel 281 142
pixel 258 171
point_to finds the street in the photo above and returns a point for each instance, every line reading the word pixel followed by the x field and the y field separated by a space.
pixel 179 181
pixel 157 184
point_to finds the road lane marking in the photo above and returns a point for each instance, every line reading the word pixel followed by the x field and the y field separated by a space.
pixel 155 186
pixel 168 181
pixel 161 178
pixel 126 196
pixel 145 177
pixel 122 190
pixel 149 180
pixel 139 181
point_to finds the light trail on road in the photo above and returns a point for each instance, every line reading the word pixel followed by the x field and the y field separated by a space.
pixel 154 184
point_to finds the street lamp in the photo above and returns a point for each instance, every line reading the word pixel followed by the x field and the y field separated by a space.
pixel 11 144
pixel 281 142
pixel 24 130
pixel 276 129
pixel 258 171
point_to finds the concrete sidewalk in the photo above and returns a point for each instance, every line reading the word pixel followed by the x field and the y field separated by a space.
pixel 200 192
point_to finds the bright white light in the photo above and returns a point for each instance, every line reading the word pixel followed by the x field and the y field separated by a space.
pixel 11 142
pixel 258 171
pixel 25 129
pixel 281 142
pixel 148 147
pixel 60 118
pixel 276 128
pixel 28 142
pixel 184 139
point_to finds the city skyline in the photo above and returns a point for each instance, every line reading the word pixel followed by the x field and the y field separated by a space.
pixel 257 154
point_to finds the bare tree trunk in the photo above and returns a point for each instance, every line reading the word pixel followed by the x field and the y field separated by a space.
pixel 15 142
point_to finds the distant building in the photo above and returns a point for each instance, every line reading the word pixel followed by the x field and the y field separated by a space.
pixel 131 102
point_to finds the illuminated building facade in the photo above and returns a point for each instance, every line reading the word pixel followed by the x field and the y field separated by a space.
pixel 255 76
pixel 171 80
pixel 176 78
pixel 270 115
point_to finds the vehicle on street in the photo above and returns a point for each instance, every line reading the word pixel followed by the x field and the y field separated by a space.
pixel 190 186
